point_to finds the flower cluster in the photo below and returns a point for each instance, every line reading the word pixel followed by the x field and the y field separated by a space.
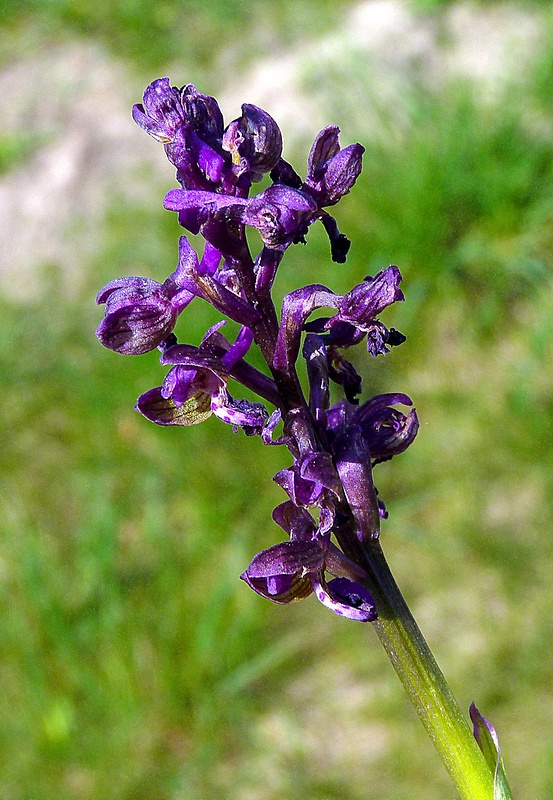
pixel 332 507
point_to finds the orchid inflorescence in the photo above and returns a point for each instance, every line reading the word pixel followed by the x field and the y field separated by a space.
pixel 332 510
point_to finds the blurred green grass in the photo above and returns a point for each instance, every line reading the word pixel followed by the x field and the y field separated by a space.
pixel 134 663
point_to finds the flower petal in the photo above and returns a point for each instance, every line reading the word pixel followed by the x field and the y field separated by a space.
pixel 163 411
pixel 287 558
pixel 346 598
pixel 364 302
pixel 296 308
pixel 162 113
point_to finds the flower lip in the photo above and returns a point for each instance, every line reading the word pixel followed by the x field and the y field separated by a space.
pixel 346 598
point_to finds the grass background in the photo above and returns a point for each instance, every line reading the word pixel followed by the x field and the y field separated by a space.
pixel 134 665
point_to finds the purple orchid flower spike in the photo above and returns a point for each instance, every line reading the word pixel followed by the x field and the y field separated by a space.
pixel 332 514
pixel 333 447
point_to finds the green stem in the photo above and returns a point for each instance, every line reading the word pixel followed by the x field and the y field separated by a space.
pixel 425 684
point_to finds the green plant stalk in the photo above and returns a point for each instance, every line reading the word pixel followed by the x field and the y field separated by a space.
pixel 425 683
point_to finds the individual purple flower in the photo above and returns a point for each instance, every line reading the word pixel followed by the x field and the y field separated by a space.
pixel 161 113
pixel 190 126
pixel 356 315
pixel 386 430
pixel 290 571
pixel 195 388
pixel 331 172
pixel 281 214
pixel 362 304
pixel 254 141
pixel 360 307
pixel 281 573
pixel 140 313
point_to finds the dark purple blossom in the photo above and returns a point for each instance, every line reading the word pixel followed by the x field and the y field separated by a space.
pixel 281 214
pixel 356 315
pixel 195 388
pixel 386 430
pixel 291 570
pixel 331 172
pixel 254 141
pixel 161 113
pixel 190 126
pixel 140 313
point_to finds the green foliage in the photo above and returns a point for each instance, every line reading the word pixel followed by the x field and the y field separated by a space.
pixel 154 34
pixel 15 149
pixel 135 664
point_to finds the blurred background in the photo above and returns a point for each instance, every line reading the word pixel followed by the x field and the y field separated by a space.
pixel 134 665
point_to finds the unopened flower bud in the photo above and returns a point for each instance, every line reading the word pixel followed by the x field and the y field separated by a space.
pixel 255 140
